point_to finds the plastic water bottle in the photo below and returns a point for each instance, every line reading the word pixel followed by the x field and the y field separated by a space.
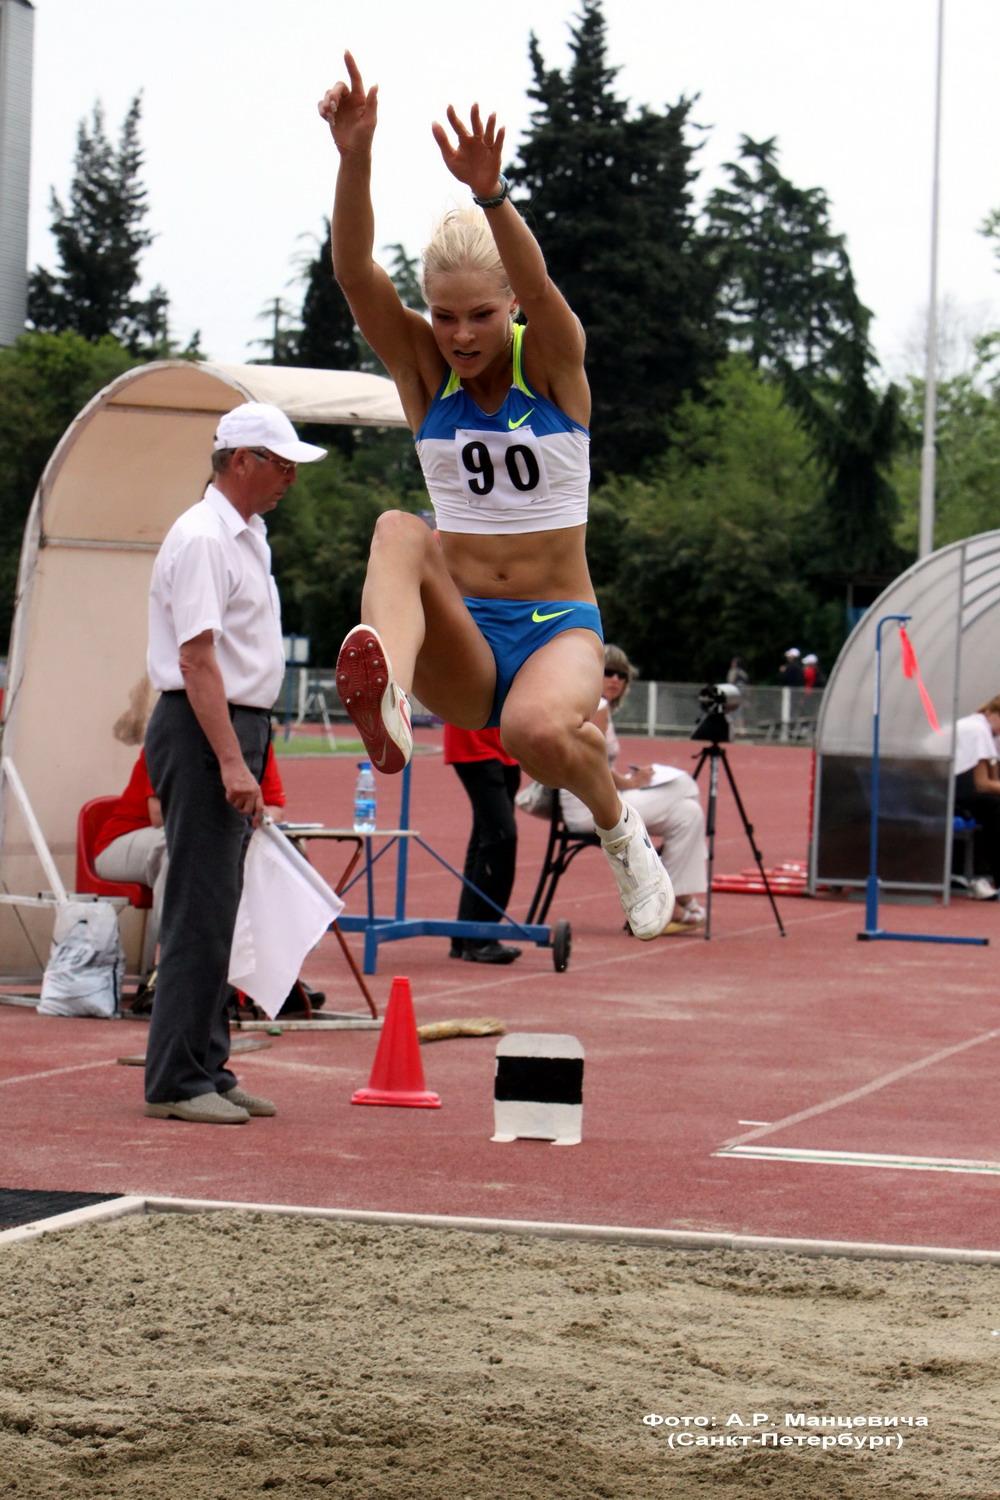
pixel 364 799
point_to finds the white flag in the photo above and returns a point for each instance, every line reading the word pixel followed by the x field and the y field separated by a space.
pixel 284 911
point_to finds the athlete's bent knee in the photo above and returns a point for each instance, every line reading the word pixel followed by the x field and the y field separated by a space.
pixel 400 528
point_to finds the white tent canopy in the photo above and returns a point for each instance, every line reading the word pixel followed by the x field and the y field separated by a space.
pixel 952 597
pixel 135 457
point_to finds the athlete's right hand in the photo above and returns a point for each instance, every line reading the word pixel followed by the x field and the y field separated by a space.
pixel 350 111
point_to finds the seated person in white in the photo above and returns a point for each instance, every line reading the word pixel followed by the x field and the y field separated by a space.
pixel 977 789
pixel 665 797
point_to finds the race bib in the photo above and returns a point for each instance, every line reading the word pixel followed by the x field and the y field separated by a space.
pixel 504 469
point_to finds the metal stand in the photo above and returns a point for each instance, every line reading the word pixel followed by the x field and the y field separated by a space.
pixel 873 932
pixel 388 929
pixel 716 755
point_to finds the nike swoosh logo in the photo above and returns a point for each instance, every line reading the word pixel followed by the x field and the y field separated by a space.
pixel 512 424
pixel 540 619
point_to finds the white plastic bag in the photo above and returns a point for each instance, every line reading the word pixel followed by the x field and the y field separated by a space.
pixel 86 967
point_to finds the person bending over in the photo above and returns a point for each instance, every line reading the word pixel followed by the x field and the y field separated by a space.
pixel 499 624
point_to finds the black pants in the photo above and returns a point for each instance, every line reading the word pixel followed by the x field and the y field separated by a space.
pixel 188 1044
pixel 985 808
pixel 491 856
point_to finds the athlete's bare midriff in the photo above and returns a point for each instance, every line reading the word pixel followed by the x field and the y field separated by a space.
pixel 528 565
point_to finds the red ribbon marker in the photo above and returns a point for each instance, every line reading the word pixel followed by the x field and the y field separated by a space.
pixel 911 670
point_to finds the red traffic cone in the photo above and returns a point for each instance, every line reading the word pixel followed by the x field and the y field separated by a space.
pixel 397 1072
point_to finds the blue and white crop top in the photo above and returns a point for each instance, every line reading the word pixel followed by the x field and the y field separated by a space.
pixel 526 468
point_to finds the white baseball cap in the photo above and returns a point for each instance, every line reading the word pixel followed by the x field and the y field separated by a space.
pixel 810 660
pixel 793 651
pixel 255 424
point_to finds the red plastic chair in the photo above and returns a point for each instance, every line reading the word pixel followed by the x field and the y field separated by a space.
pixel 93 816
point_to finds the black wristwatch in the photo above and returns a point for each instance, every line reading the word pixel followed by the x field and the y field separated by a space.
pixel 503 194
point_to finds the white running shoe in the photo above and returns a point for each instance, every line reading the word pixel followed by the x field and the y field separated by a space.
pixel 379 708
pixel 644 887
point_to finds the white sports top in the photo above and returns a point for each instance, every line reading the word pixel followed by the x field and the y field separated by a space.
pixel 525 468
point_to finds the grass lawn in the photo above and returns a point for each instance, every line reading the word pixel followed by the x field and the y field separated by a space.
pixel 315 744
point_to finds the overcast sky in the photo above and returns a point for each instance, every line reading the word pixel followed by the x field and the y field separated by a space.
pixel 239 168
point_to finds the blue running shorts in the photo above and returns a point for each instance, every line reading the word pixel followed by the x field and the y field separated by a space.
pixel 516 628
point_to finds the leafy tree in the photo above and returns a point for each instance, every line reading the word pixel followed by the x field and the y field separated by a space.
pixel 320 536
pixel 790 304
pixel 610 195
pixel 100 238
pixel 857 431
pixel 706 555
pixel 405 271
pixel 45 379
pixel 787 292
pixel 967 471
pixel 327 338
pixel 281 343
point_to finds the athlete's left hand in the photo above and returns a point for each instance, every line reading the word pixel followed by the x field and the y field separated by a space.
pixel 478 155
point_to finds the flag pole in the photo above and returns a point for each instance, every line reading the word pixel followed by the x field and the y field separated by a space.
pixel 928 456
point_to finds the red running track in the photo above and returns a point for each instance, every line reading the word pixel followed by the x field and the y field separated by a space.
pixel 813 1042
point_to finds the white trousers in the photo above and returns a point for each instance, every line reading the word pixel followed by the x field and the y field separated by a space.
pixel 140 856
pixel 674 817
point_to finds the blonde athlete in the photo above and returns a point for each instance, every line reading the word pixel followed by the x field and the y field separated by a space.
pixel 499 623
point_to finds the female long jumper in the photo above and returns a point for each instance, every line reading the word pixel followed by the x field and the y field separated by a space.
pixel 496 622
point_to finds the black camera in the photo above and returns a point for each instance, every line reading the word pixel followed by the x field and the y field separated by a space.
pixel 716 700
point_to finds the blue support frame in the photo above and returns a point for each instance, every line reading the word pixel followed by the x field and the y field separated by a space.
pixel 391 928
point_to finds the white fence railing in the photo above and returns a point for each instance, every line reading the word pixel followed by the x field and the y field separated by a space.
pixel 663 710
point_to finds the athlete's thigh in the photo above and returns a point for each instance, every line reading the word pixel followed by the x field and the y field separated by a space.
pixel 455 674
pixel 560 682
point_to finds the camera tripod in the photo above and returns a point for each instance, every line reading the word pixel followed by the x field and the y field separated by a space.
pixel 715 728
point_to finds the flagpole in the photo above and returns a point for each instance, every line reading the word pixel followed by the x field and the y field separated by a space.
pixel 928 457
pixel 872 932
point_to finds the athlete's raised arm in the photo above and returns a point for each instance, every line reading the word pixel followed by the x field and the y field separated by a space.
pixel 400 337
pixel 555 335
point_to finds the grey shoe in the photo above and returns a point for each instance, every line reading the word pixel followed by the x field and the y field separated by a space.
pixel 203 1109
pixel 249 1102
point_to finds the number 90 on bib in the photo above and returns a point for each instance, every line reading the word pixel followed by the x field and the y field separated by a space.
pixel 505 469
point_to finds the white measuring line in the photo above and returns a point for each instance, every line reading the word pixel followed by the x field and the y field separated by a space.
pixel 860 1093
pixel 861 1159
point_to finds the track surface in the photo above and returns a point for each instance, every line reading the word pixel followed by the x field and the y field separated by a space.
pixel 809 1043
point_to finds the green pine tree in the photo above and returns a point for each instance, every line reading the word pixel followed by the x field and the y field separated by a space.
pixel 609 195
pixel 100 237
pixel 326 339
pixel 787 292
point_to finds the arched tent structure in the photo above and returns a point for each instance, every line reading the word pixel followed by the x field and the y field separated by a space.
pixel 953 597
pixel 135 457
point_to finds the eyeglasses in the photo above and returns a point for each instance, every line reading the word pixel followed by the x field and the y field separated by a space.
pixel 614 672
pixel 285 465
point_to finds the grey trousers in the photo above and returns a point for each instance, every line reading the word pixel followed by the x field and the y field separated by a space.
pixel 188 1044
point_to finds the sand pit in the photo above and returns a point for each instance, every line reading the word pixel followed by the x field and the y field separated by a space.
pixel 201 1357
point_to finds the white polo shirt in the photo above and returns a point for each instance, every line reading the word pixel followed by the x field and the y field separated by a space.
pixel 213 572
pixel 973 742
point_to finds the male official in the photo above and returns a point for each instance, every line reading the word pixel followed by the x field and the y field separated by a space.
pixel 216 658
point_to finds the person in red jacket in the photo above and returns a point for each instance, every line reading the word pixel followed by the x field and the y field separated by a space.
pixel 490 777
